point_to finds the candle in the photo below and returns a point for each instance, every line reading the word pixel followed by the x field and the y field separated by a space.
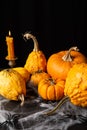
pixel 10 47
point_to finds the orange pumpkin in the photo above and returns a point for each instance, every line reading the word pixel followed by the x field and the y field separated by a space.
pixel 50 89
pixel 59 64
pixel 37 77
pixel 36 60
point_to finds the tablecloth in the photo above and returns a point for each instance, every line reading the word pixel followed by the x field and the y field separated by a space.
pixel 31 115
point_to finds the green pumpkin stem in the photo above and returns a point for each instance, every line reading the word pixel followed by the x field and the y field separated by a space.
pixel 67 56
pixel 61 102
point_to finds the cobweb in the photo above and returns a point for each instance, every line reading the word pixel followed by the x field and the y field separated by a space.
pixel 31 115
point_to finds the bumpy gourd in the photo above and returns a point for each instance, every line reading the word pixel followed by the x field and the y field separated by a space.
pixel 12 85
pixel 76 85
pixel 36 60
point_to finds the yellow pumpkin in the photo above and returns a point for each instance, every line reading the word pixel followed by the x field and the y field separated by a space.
pixel 12 85
pixel 59 64
pixel 37 77
pixel 50 89
pixel 24 73
pixel 36 60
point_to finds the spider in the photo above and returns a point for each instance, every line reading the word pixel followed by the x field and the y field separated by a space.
pixel 11 120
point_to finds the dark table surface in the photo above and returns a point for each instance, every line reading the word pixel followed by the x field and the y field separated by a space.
pixel 31 115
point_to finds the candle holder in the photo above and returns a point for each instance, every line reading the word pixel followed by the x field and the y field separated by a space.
pixel 11 62
pixel 10 48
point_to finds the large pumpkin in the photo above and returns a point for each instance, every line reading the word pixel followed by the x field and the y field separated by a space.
pixel 12 85
pixel 59 64
pixel 50 89
pixel 76 85
pixel 36 60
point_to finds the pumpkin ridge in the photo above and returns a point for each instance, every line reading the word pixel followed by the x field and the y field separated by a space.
pixel 55 92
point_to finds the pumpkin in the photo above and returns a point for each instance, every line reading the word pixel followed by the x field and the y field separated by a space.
pixel 24 73
pixel 37 77
pixel 12 85
pixel 76 85
pixel 59 64
pixel 50 89
pixel 36 60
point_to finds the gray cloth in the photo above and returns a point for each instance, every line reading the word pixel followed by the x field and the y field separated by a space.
pixel 31 116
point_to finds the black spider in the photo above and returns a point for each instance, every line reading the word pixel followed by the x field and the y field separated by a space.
pixel 12 120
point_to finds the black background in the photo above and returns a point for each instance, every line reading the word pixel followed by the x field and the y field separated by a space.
pixel 57 25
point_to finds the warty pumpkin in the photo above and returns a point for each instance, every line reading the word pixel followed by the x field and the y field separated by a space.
pixel 76 85
pixel 59 64
pixel 36 77
pixel 24 72
pixel 12 85
pixel 36 60
pixel 50 89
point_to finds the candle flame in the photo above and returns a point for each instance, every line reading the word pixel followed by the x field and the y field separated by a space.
pixel 9 33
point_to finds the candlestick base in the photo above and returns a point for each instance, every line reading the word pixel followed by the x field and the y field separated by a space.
pixel 11 62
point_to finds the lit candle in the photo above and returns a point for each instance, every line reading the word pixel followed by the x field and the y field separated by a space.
pixel 10 47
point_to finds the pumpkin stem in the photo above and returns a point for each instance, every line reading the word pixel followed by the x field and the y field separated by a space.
pixel 52 81
pixel 67 56
pixel 66 98
pixel 21 97
pixel 36 46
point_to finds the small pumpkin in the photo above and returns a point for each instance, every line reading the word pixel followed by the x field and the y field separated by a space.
pixel 36 60
pixel 24 73
pixel 12 85
pixel 50 89
pixel 76 85
pixel 37 77
pixel 59 64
